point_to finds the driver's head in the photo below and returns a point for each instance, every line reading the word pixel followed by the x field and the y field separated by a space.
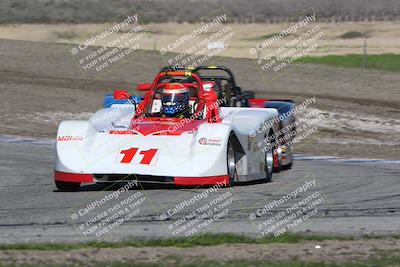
pixel 174 99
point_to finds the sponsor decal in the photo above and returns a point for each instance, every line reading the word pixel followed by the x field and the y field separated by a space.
pixel 203 141
pixel 210 141
pixel 69 138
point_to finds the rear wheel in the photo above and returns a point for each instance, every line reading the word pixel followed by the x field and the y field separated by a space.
pixel 288 166
pixel 277 159
pixel 68 186
pixel 289 156
pixel 269 160
pixel 231 161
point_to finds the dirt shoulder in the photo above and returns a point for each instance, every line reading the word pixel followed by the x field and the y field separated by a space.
pixel 314 251
pixel 40 86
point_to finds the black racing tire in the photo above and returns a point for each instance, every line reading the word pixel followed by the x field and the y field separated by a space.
pixel 279 168
pixel 68 186
pixel 288 166
pixel 231 163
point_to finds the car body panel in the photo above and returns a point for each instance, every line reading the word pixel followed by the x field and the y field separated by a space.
pixel 83 147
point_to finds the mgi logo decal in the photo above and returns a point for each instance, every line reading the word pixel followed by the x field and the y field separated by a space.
pixel 69 138
pixel 210 141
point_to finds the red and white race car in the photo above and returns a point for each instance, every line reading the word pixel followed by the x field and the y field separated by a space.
pixel 224 84
pixel 182 133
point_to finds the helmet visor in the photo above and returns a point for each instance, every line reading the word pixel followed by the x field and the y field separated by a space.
pixel 174 103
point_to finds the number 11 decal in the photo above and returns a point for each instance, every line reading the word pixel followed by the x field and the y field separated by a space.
pixel 129 155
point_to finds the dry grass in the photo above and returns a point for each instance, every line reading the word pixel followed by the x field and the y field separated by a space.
pixel 382 37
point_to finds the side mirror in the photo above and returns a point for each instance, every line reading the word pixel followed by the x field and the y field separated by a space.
pixel 143 86
pixel 121 94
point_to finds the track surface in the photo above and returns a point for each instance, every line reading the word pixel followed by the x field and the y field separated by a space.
pixel 40 86
pixel 360 198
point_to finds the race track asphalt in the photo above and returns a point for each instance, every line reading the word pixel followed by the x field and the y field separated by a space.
pixel 358 197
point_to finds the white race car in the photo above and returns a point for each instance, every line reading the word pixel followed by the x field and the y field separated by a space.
pixel 202 144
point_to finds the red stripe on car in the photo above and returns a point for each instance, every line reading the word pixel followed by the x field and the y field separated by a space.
pixel 73 177
pixel 206 180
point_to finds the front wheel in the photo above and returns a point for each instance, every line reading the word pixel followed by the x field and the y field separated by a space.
pixel 269 162
pixel 231 163
pixel 68 186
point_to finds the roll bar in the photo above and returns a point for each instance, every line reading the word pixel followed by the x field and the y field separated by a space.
pixel 149 95
pixel 230 77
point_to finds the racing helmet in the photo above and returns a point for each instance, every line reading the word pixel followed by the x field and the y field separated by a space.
pixel 174 99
